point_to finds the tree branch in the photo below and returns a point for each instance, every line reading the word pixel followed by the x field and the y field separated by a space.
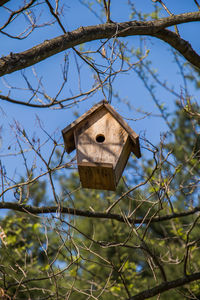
pixel 180 45
pixel 18 61
pixel 3 2
pixel 165 286
pixel 90 214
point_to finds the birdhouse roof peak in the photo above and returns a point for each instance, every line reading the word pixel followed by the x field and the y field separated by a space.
pixel 68 132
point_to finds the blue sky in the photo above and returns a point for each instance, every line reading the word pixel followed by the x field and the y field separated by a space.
pixel 128 86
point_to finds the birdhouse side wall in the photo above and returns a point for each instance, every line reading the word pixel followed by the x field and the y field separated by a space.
pixel 122 161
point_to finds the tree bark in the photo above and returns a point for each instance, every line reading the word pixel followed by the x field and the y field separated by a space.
pixel 18 61
pixel 2 2
pixel 86 213
pixel 165 286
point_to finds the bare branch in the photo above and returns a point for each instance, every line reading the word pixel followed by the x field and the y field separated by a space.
pixel 92 214
pixel 16 13
pixel 165 286
pixel 197 4
pixel 107 10
pixel 169 12
pixel 3 2
pixel 18 61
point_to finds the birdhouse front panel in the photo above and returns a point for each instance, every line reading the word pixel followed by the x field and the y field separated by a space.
pixel 99 145
pixel 101 142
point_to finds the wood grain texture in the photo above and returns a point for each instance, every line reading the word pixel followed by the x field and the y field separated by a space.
pixel 89 150
pixel 122 160
pixel 68 132
pixel 101 162
pixel 97 160
pixel 91 116
pixel 97 176
pixel 134 137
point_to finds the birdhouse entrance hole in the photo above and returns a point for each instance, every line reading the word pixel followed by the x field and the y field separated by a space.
pixel 100 138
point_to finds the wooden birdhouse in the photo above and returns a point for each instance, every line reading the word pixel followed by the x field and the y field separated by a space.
pixel 103 141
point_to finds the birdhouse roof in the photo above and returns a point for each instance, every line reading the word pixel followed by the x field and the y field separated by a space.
pixel 68 132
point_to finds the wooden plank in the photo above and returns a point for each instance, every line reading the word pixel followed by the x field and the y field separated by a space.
pixel 69 142
pixel 123 158
pixel 97 176
pixel 88 122
pixel 81 122
pixel 136 148
pixel 108 151
pixel 133 135
pixel 68 132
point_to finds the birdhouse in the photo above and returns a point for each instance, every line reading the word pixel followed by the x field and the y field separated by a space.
pixel 103 141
